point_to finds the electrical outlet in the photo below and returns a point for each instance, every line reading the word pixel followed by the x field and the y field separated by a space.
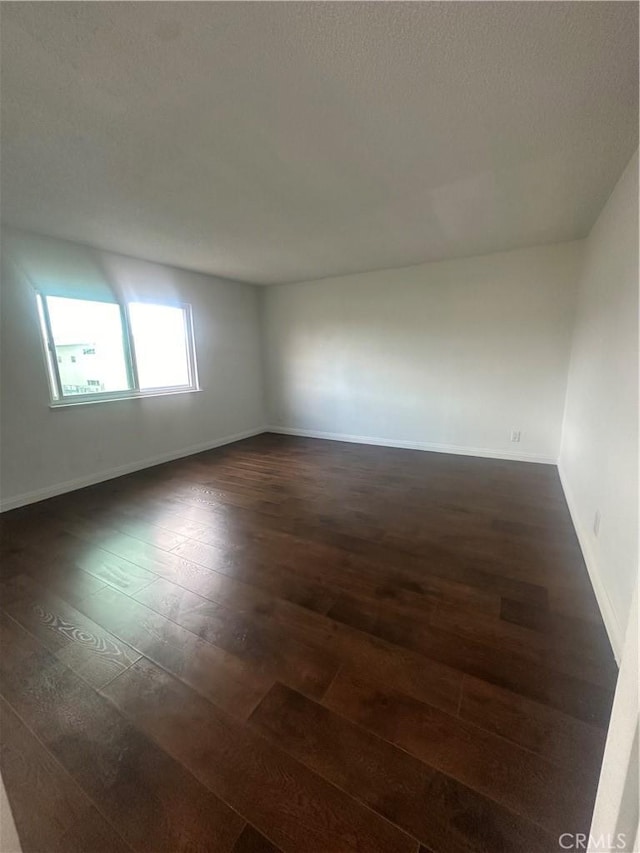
pixel 596 523
pixel 515 435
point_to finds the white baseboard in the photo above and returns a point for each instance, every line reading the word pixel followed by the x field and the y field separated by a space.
pixel 416 445
pixel 609 616
pixel 100 477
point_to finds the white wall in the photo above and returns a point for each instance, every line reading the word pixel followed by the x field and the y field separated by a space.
pixel 599 455
pixel 617 802
pixel 45 451
pixel 9 841
pixel 451 355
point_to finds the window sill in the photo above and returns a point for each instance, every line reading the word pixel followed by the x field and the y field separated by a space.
pixel 72 404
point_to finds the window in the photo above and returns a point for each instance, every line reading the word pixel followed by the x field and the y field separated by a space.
pixel 160 337
pixel 105 350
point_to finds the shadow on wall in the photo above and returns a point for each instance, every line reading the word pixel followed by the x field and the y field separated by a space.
pixel 59 268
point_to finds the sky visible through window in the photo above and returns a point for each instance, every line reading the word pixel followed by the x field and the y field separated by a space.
pixel 159 336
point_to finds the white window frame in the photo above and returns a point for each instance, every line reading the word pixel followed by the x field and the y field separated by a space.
pixel 58 399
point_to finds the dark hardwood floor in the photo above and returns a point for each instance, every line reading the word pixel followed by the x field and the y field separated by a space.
pixel 299 645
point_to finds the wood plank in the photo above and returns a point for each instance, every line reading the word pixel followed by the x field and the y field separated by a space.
pixel 106 527
pixel 263 570
pixel 263 643
pixel 252 841
pixel 574 632
pixel 279 796
pixel 288 639
pixel 555 736
pixel 80 643
pixel 107 567
pixel 547 649
pixel 233 684
pixel 517 779
pixel 519 673
pixel 50 810
pixel 432 807
pixel 452 585
pixel 66 581
pixel 233 562
pixel 313 565
pixel 435 562
pixel 147 796
pixel 60 549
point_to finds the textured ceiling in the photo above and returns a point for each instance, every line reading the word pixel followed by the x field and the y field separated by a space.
pixel 278 142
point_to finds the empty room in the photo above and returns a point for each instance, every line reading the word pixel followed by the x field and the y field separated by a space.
pixel 319 427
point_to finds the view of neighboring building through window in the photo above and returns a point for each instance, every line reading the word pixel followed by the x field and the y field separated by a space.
pixel 75 368
pixel 103 348
pixel 79 326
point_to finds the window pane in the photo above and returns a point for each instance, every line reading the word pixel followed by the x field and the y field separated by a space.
pixel 89 345
pixel 160 340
